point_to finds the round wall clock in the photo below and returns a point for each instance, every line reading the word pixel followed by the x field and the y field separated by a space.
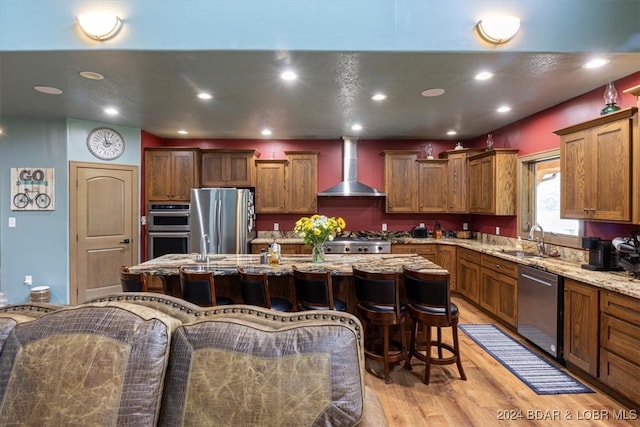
pixel 105 143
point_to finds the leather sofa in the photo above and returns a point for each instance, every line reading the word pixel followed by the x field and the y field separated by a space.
pixel 143 359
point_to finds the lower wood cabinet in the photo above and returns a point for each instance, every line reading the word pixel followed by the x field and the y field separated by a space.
pixel 468 277
pixel 428 250
pixel 620 344
pixel 581 325
pixel 447 258
pixel 285 248
pixel 498 288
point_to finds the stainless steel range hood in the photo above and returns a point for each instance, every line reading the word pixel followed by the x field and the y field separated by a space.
pixel 350 186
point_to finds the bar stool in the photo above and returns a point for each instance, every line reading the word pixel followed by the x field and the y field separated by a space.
pixel 314 291
pixel 255 291
pixel 378 305
pixel 132 282
pixel 199 288
pixel 429 304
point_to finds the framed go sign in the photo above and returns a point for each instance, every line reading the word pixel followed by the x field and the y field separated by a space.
pixel 32 189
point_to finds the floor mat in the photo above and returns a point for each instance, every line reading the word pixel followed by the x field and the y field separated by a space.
pixel 541 376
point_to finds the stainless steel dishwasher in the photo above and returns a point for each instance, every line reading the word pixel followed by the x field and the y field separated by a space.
pixel 540 309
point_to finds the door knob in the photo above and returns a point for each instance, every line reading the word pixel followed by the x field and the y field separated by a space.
pixel 125 241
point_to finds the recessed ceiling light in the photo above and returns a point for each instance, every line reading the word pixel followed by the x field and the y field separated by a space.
pixel 503 109
pixel 452 132
pixel 48 90
pixel 483 75
pixel 288 75
pixel 379 97
pixel 596 63
pixel 356 127
pixel 111 111
pixel 266 132
pixel 183 132
pixel 433 92
pixel 91 75
pixel 204 95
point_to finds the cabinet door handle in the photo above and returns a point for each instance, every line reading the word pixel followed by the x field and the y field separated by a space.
pixel 126 241
pixel 592 209
pixel 497 265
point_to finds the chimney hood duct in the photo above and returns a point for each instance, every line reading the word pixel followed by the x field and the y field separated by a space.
pixel 350 186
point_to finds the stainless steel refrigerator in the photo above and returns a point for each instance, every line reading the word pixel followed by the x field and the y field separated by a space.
pixel 222 220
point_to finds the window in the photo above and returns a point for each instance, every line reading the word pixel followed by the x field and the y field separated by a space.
pixel 540 200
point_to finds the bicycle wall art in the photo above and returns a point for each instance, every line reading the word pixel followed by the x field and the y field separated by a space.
pixel 33 189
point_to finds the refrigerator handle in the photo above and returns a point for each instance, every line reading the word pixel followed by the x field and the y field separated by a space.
pixel 218 228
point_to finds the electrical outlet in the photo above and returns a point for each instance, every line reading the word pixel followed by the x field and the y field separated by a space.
pixel 28 280
pixel 465 226
pixel 143 220
pixel 12 222
pixel 276 226
pixel 422 225
pixel 497 231
pixel 384 227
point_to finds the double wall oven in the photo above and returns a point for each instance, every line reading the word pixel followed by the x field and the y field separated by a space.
pixel 167 229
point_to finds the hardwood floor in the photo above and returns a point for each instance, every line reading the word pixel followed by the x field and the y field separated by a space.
pixel 491 396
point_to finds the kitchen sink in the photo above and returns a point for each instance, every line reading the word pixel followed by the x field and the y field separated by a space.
pixel 522 254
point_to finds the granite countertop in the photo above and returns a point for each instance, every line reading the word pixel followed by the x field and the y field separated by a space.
pixel 224 264
pixel 567 265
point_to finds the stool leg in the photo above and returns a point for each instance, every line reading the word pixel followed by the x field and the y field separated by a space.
pixel 457 349
pixel 439 342
pixel 386 354
pixel 427 368
pixel 412 344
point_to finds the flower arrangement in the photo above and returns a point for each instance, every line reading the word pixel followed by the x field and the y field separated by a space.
pixel 317 229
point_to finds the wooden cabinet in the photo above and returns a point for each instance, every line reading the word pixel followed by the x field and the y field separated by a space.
pixel 447 258
pixel 288 186
pixel 227 168
pixel 432 186
pixel 170 174
pixel 492 182
pixel 581 326
pixel 620 344
pixel 301 181
pixel 457 179
pixel 596 168
pixel 270 186
pixel 401 181
pixel 468 277
pixel 285 248
pixel 427 250
pixel 498 288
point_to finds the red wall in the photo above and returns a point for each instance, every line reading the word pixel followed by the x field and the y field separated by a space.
pixel 530 135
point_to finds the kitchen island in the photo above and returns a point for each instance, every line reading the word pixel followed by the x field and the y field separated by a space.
pixel 281 285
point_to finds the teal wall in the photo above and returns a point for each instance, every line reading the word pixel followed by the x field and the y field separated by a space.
pixel 39 244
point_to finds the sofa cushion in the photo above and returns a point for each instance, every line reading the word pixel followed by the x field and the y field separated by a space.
pixel 248 369
pixel 87 365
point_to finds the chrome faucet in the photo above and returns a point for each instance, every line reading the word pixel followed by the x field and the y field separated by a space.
pixel 203 249
pixel 539 243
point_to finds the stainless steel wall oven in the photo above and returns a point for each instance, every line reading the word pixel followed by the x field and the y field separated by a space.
pixel 168 229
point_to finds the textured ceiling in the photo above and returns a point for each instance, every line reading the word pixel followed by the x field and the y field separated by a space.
pixel 155 90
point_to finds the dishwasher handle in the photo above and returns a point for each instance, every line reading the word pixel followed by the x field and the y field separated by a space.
pixel 535 279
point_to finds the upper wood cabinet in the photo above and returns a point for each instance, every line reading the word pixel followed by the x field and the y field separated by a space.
pixel 301 179
pixel 492 182
pixel 228 168
pixel 270 187
pixel 170 174
pixel 288 186
pixel 457 179
pixel 596 168
pixel 432 186
pixel 401 181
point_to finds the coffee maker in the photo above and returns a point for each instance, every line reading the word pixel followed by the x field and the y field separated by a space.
pixel 602 254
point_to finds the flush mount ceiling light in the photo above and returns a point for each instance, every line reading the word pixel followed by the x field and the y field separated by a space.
pixel 483 75
pixel 432 92
pixel 266 132
pixel 498 29
pixel 49 90
pixel 183 132
pixel 204 95
pixel 99 26
pixel 288 75
pixel 379 97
